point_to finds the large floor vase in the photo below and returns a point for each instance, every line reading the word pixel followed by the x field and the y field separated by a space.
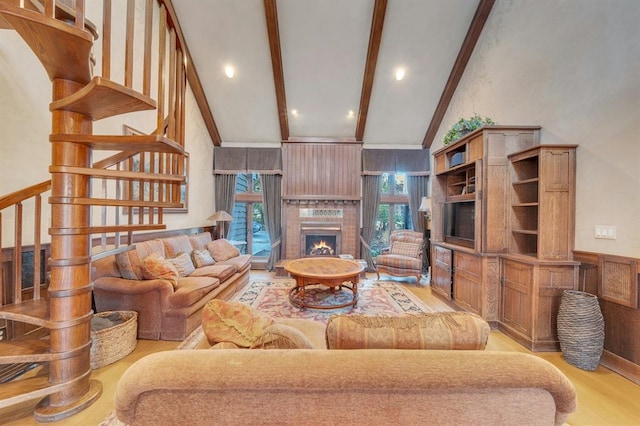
pixel 581 329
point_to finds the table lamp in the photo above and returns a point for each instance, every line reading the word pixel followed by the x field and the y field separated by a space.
pixel 220 216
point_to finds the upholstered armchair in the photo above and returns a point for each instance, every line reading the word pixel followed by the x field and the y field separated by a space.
pixel 403 257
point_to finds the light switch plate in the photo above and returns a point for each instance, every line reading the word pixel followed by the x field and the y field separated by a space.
pixel 607 232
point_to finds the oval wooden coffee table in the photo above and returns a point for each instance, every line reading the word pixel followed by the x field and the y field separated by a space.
pixel 331 272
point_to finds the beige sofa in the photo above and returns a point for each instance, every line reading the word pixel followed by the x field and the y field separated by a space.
pixel 167 310
pixel 341 386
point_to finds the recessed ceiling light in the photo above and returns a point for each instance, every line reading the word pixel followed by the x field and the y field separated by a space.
pixel 294 112
pixel 399 74
pixel 229 71
pixel 350 114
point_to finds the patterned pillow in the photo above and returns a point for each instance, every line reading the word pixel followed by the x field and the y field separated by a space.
pixel 233 322
pixel 405 249
pixel 222 250
pixel 202 258
pixel 157 267
pixel 437 330
pixel 130 262
pixel 281 336
pixel 183 264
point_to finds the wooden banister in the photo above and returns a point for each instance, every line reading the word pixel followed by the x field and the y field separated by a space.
pixel 24 194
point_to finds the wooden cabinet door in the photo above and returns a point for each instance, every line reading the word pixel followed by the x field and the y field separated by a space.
pixel 467 278
pixel 441 270
pixel 517 294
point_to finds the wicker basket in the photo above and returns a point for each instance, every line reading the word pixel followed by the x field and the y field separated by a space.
pixel 114 343
pixel 580 329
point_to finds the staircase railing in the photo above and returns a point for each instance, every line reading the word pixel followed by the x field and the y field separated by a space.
pixel 63 40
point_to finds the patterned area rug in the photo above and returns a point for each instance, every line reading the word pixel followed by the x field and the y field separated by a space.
pixel 375 298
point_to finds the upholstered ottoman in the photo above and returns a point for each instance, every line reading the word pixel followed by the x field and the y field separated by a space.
pixel 441 330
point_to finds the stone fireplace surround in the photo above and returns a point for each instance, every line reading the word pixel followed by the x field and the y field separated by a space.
pixel 326 220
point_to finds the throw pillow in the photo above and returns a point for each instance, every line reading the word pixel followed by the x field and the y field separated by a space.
pixel 437 330
pixel 280 336
pixel 405 249
pixel 222 250
pixel 233 322
pixel 202 258
pixel 130 262
pixel 157 267
pixel 183 264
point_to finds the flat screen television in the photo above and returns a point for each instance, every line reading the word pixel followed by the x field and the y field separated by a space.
pixel 459 223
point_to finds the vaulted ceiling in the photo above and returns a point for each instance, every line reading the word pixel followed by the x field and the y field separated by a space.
pixel 326 68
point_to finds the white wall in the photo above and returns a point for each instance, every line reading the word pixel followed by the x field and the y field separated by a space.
pixel 572 67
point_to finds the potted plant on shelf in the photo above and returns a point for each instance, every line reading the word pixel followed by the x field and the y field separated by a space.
pixel 465 126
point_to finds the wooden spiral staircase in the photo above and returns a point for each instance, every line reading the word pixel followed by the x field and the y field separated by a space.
pixel 63 42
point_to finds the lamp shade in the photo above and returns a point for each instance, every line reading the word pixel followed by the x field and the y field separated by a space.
pixel 425 204
pixel 220 216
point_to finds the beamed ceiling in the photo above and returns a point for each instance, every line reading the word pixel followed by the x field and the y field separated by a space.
pixel 323 59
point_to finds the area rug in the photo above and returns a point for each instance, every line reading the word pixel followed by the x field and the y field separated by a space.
pixel 272 297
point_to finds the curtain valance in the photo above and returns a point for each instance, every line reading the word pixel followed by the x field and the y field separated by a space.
pixel 413 162
pixel 247 160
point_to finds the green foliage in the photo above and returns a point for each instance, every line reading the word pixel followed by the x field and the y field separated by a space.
pixel 464 126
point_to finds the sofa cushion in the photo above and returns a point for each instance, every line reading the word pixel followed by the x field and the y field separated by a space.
pixel 440 330
pixel 222 250
pixel 183 264
pixel 199 241
pixel 176 245
pixel 280 336
pixel 201 257
pixel 233 322
pixel 399 262
pixel 190 290
pixel 157 267
pixel 240 263
pixel 405 249
pixel 130 262
pixel 219 271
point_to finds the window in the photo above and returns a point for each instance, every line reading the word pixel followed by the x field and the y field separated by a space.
pixel 247 227
pixel 393 210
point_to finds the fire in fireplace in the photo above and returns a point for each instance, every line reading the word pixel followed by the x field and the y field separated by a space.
pixel 320 245
pixel 320 240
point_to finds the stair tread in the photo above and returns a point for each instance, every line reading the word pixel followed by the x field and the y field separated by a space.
pixel 63 50
pixel 31 312
pixel 118 174
pixel 146 143
pixel 107 229
pixel 122 228
pixel 103 98
pixel 29 350
pixel 18 391
pixel 112 202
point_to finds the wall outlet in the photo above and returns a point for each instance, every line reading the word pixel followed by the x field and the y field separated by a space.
pixel 607 232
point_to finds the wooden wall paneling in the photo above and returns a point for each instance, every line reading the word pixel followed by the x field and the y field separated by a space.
pixel 619 280
pixel 320 171
pixel 621 344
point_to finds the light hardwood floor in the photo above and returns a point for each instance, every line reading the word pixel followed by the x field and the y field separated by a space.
pixel 604 397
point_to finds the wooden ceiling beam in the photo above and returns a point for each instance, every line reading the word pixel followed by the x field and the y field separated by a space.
pixel 271 13
pixel 192 77
pixel 469 43
pixel 375 36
